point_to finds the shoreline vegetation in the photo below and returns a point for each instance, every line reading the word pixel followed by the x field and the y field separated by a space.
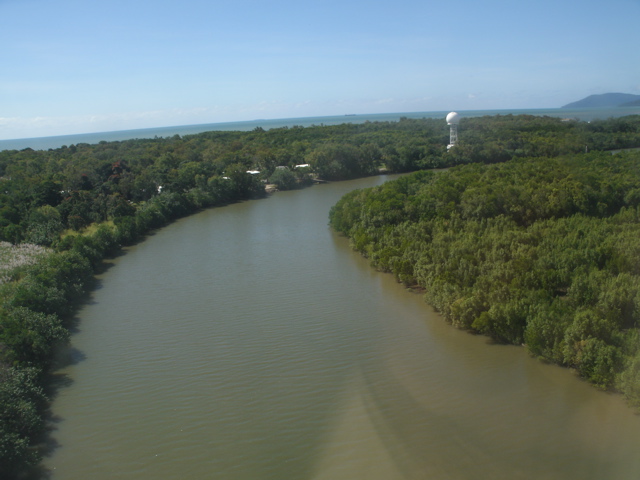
pixel 543 253
pixel 520 187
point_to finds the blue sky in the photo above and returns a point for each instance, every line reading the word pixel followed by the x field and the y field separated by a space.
pixel 77 66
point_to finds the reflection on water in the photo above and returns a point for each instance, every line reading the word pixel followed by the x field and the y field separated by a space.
pixel 250 342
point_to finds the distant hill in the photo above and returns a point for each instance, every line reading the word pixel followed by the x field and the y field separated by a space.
pixel 606 100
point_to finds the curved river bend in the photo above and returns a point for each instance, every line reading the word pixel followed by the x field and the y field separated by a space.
pixel 250 342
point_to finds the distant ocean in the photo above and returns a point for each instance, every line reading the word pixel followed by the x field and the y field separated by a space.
pixel 45 143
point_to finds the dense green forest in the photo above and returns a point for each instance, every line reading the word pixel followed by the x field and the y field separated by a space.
pixel 62 211
pixel 542 252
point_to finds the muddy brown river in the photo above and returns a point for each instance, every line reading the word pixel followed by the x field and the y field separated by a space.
pixel 250 342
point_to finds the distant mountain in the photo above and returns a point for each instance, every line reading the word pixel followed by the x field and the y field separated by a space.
pixel 606 100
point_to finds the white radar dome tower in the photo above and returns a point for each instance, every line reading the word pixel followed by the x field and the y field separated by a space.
pixel 452 120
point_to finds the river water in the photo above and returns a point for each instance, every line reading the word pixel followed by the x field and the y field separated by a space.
pixel 250 342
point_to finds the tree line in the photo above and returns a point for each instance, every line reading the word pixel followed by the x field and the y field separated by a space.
pixel 541 252
pixel 82 203
pixel 46 192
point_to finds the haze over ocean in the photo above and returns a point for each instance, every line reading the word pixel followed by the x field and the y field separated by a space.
pixel 71 67
pixel 45 143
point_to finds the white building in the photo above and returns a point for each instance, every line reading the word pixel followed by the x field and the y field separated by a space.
pixel 452 120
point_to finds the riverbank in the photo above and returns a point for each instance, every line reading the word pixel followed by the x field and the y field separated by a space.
pixel 132 188
pixel 552 270
pixel 262 346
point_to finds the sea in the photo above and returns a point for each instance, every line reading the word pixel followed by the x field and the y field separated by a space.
pixel 46 143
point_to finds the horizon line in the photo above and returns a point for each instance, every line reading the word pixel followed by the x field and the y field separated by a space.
pixel 347 116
